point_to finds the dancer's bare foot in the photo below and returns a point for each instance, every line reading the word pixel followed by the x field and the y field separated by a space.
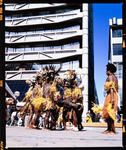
pixel 33 126
pixel 28 126
pixel 106 131
pixel 112 132
pixel 109 132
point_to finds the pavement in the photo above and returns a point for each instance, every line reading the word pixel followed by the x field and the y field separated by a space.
pixel 91 136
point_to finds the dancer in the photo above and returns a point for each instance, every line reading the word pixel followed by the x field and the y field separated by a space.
pixel 111 99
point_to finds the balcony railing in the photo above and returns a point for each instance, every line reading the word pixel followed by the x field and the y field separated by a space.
pixel 23 74
pixel 44 55
pixel 53 36
pixel 46 19
pixel 16 7
pixel 20 75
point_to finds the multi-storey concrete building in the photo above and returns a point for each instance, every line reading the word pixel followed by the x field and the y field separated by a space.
pixel 41 34
pixel 115 50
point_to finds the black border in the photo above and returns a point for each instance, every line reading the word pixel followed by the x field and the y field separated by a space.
pixel 63 1
pixel 2 69
pixel 2 83
pixel 124 72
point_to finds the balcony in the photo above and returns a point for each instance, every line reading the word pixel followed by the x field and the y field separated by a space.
pixel 24 74
pixel 45 37
pixel 20 75
pixel 41 20
pixel 44 55
pixel 17 7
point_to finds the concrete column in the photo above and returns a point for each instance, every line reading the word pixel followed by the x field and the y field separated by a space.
pixel 85 59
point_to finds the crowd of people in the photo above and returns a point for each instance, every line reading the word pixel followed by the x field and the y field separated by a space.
pixel 51 101
pixel 54 99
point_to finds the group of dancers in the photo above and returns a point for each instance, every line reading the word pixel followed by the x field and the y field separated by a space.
pixel 60 100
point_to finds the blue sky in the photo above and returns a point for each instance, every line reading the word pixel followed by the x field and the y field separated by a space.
pixel 102 14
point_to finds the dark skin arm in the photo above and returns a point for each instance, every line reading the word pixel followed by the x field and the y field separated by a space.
pixel 112 97
pixel 111 92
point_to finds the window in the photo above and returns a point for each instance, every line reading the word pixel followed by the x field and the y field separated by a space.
pixel 19 49
pixel 119 70
pixel 75 64
pixel 117 33
pixel 117 49
pixel 6 49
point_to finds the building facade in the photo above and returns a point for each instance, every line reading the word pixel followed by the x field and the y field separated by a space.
pixel 115 51
pixel 42 34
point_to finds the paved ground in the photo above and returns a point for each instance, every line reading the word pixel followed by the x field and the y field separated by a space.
pixel 90 137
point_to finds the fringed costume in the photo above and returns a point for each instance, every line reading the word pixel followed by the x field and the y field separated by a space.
pixel 111 100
